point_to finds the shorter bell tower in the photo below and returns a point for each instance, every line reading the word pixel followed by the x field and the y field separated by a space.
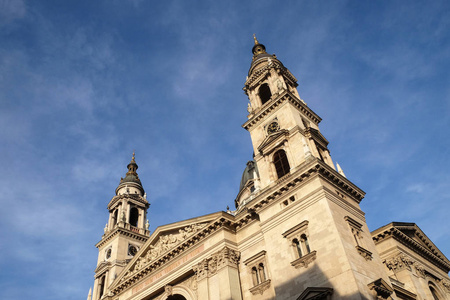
pixel 125 232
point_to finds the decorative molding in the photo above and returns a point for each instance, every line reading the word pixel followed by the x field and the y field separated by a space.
pixel 316 293
pixel 255 258
pixel 445 283
pixel 305 260
pixel 123 231
pixel 168 289
pixel 364 253
pixel 260 288
pixel 164 244
pixel 380 289
pixel 138 199
pixel 398 263
pixel 271 105
pixel 294 230
pixel 393 231
pixel 210 266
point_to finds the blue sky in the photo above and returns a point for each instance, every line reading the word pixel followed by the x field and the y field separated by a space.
pixel 84 83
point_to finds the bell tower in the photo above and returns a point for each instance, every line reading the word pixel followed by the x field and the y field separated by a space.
pixel 279 121
pixel 125 232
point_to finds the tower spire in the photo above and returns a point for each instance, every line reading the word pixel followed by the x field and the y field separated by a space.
pixel 131 178
pixel 258 48
pixel 254 37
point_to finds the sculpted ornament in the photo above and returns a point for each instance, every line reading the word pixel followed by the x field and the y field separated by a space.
pixel 420 270
pixel 445 284
pixel 398 263
pixel 210 266
pixel 164 243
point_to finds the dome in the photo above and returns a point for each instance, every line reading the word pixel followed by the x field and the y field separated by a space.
pixel 250 172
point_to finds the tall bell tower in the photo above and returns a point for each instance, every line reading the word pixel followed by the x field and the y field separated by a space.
pixel 279 120
pixel 125 232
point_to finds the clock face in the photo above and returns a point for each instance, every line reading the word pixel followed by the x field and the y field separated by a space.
pixel 273 127
pixel 132 250
pixel 108 253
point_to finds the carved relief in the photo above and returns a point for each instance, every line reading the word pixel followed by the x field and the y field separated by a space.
pixel 164 243
pixel 398 263
pixel 210 266
pixel 168 289
pixel 420 270
pixel 304 261
pixel 445 284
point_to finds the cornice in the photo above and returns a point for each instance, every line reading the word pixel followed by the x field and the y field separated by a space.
pixel 134 197
pixel 396 234
pixel 315 167
pixel 271 105
pixel 172 253
pixel 258 73
pixel 123 231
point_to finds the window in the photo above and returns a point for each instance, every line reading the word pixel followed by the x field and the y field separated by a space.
pixel 258 270
pixel 264 93
pixel 115 217
pixel 357 232
pixel 134 216
pixel 101 287
pixel 301 250
pixel 434 292
pixel 281 163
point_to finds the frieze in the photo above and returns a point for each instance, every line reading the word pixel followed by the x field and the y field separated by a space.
pixel 165 243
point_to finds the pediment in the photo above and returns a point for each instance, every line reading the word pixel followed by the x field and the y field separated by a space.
pixel 164 239
pixel 315 293
pixel 415 233
pixel 272 141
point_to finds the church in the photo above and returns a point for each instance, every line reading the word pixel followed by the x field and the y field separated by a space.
pixel 297 231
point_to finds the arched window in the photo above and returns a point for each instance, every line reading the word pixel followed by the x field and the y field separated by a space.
pixel 281 163
pixel 176 297
pixel 115 217
pixel 434 292
pixel 305 242
pixel 264 93
pixel 255 276
pixel 262 273
pixel 134 216
pixel 298 247
pixel 101 287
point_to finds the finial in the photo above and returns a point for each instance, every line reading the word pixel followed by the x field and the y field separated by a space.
pixel 90 294
pixel 254 37
pixel 133 157
pixel 339 169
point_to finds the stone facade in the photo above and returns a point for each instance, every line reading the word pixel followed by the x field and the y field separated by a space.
pixel 298 231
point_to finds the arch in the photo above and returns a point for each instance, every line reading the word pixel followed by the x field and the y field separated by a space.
pixel 134 216
pixel 298 247
pixel 180 291
pixel 434 291
pixel 281 163
pixel 264 93
pixel 176 297
pixel 115 216
pixel 305 241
